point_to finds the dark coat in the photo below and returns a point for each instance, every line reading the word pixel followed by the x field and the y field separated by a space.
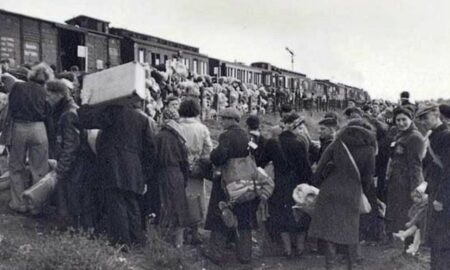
pixel 125 146
pixel 172 169
pixel 76 170
pixel 291 168
pixel 337 215
pixel 405 174
pixel 233 143
pixel 439 188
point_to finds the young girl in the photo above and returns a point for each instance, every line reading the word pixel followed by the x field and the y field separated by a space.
pixel 416 213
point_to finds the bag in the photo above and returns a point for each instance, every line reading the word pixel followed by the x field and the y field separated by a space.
pixel 243 181
pixel 364 206
pixel 195 209
pixel 38 194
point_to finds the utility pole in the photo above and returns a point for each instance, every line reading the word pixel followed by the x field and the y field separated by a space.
pixel 292 57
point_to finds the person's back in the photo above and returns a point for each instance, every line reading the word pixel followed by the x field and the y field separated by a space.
pixel 198 140
pixel 27 102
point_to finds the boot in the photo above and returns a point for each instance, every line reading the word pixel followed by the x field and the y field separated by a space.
pixel 330 255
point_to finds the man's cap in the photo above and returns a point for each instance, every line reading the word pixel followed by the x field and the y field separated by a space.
pixel 349 111
pixel 426 108
pixel 231 113
pixel 329 122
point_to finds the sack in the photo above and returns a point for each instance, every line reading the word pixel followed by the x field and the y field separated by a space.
pixel 364 207
pixel 194 204
pixel 305 197
pixel 243 181
pixel 39 193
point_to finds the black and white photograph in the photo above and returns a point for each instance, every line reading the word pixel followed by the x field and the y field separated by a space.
pixel 226 134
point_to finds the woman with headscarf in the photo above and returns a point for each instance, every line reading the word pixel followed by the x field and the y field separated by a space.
pixel 344 173
pixel 172 170
pixel 405 170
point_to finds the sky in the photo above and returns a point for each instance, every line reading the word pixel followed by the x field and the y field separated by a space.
pixel 383 46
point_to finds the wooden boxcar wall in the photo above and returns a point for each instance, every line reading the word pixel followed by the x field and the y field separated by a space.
pixel 27 40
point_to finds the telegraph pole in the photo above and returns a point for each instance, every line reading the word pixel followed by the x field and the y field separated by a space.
pixel 292 57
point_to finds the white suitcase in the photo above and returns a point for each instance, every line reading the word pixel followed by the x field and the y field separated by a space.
pixel 120 84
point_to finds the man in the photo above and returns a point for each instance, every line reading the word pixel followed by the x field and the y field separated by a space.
pixel 75 171
pixel 257 140
pixel 125 151
pixel 233 143
pixel 404 99
pixel 438 184
pixel 276 130
pixel 327 131
pixel 29 112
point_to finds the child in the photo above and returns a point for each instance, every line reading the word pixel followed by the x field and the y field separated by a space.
pixel 416 213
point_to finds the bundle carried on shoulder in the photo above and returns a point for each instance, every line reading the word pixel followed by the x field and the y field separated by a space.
pixel 243 181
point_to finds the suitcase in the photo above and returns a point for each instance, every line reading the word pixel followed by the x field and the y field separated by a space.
pixel 124 84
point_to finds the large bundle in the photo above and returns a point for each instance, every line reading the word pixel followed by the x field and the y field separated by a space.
pixel 244 181
pixel 305 197
pixel 37 195
pixel 121 84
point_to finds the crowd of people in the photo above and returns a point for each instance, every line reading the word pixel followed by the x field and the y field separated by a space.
pixel 383 169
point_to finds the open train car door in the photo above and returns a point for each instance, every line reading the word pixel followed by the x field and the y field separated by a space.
pixel 70 38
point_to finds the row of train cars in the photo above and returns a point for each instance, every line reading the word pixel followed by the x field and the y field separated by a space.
pixel 91 44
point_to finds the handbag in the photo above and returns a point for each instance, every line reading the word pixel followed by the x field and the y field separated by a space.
pixel 364 207
pixel 194 205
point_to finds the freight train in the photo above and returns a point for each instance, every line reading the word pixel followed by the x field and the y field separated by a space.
pixel 92 45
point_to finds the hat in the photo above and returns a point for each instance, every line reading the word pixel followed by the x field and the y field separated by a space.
pixel 351 110
pixel 426 108
pixel 445 110
pixel 404 110
pixel 404 94
pixel 231 113
pixel 331 115
pixel 329 122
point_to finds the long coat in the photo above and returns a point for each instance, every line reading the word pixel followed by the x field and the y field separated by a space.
pixel 233 143
pixel 172 168
pixel 336 217
pixel 125 145
pixel 405 174
pixel 439 188
pixel 291 168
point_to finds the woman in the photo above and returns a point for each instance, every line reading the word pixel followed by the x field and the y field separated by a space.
pixel 341 181
pixel 199 146
pixel 405 170
pixel 289 155
pixel 172 169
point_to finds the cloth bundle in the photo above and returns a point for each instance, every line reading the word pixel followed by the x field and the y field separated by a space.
pixel 305 197
pixel 243 181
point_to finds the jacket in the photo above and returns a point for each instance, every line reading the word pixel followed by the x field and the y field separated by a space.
pixel 125 146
